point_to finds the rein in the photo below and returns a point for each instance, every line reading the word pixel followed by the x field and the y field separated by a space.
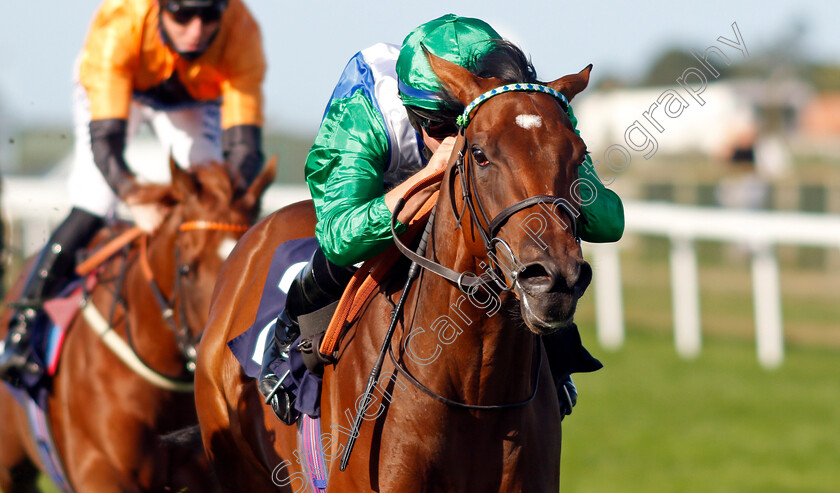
pixel 413 272
pixel 125 350
pixel 186 343
pixel 472 407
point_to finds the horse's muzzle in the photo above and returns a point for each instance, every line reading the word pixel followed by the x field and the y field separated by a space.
pixel 549 292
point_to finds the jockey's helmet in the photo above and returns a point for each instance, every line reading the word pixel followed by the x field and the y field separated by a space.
pixel 460 40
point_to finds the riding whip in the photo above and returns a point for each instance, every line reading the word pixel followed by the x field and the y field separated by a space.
pixel 413 272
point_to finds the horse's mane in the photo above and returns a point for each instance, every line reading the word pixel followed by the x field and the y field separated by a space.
pixel 507 62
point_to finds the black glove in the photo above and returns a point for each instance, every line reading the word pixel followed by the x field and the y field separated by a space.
pixel 242 150
pixel 107 141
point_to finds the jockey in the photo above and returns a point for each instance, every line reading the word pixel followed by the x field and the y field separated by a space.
pixel 193 71
pixel 384 130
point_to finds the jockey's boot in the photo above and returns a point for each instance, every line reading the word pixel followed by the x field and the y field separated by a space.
pixel 566 355
pixel 317 285
pixel 52 270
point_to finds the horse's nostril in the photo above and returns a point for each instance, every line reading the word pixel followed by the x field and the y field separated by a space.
pixel 584 278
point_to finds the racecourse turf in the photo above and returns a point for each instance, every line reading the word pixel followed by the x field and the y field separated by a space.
pixel 654 423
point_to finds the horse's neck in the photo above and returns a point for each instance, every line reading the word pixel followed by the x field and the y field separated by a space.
pixel 483 355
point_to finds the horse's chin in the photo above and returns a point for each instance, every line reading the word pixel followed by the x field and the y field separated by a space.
pixel 548 313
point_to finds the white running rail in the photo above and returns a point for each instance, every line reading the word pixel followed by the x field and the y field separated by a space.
pixel 35 205
pixel 683 225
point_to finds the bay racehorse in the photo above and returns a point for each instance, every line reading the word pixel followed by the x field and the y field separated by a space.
pixel 105 417
pixel 471 405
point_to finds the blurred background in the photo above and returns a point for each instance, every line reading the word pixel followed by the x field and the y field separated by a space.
pixel 717 315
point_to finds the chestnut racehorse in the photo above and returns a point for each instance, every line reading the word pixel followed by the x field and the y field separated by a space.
pixel 487 418
pixel 105 417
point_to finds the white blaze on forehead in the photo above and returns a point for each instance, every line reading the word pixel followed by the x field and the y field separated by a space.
pixel 226 247
pixel 529 121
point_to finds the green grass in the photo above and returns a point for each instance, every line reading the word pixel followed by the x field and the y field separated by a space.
pixel 651 422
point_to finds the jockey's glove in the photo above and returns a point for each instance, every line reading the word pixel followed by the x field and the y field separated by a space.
pixel 242 150
pixel 107 141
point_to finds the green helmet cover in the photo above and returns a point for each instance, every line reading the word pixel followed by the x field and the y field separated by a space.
pixel 456 39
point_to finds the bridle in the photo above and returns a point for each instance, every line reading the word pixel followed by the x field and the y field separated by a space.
pixel 463 166
pixel 467 282
pixel 176 319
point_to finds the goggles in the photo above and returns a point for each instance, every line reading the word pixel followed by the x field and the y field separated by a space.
pixel 183 15
pixel 439 130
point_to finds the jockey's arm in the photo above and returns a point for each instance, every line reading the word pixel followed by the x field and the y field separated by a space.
pixel 242 114
pixel 106 69
pixel 107 141
pixel 242 150
pixel 601 208
pixel 344 171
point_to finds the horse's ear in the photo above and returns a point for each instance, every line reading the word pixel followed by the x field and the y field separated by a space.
pixel 460 82
pixel 183 184
pixel 571 85
pixel 251 197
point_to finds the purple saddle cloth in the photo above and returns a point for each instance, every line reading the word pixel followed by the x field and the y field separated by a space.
pixel 289 258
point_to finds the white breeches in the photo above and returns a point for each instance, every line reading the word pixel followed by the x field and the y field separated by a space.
pixel 192 135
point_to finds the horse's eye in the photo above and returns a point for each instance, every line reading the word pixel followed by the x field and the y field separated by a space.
pixel 479 157
pixel 187 271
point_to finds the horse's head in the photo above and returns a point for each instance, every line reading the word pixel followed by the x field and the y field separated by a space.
pixel 203 220
pixel 519 169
